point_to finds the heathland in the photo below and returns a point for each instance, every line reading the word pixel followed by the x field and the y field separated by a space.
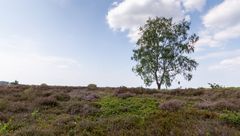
pixel 90 111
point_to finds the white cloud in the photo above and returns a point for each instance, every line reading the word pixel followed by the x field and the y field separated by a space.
pixel 222 23
pixel 223 15
pixel 227 64
pixel 219 54
pixel 228 33
pixel 194 4
pixel 129 15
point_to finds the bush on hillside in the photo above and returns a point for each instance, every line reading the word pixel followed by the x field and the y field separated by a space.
pixel 92 86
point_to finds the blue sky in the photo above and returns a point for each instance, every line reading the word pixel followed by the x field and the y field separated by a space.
pixel 77 42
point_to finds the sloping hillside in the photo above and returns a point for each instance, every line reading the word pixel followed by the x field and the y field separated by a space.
pixel 81 111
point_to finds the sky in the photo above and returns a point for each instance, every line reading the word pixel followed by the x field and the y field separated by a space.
pixel 78 42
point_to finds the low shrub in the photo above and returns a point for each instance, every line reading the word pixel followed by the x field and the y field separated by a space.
pixel 89 97
pixel 186 92
pixel 33 111
pixel 124 95
pixel 4 117
pixel 166 124
pixel 122 89
pixel 29 94
pixel 47 102
pixel 44 86
pixel 83 109
pixel 3 104
pixel 62 97
pixel 125 122
pixel 65 122
pixel 35 114
pixel 111 106
pixel 33 131
pixel 137 91
pixel 5 127
pixel 46 93
pixel 218 105
pixel 92 87
pixel 90 128
pixel 18 107
pixel 211 128
pixel 231 117
pixel 172 105
pixel 201 114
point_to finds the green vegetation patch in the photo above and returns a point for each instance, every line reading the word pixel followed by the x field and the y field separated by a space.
pixel 134 106
pixel 231 117
pixel 5 127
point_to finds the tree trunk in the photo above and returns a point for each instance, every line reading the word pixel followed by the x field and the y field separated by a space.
pixel 159 86
pixel 157 82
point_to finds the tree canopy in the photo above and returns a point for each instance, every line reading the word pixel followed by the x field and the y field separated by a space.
pixel 162 51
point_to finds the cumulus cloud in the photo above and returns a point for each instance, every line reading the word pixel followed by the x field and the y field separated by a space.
pixel 223 15
pixel 221 23
pixel 228 33
pixel 194 4
pixel 227 64
pixel 129 15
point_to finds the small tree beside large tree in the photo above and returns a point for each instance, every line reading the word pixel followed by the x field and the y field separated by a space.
pixel 162 51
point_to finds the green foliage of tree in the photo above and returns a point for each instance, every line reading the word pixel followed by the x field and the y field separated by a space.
pixel 162 51
pixel 15 82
